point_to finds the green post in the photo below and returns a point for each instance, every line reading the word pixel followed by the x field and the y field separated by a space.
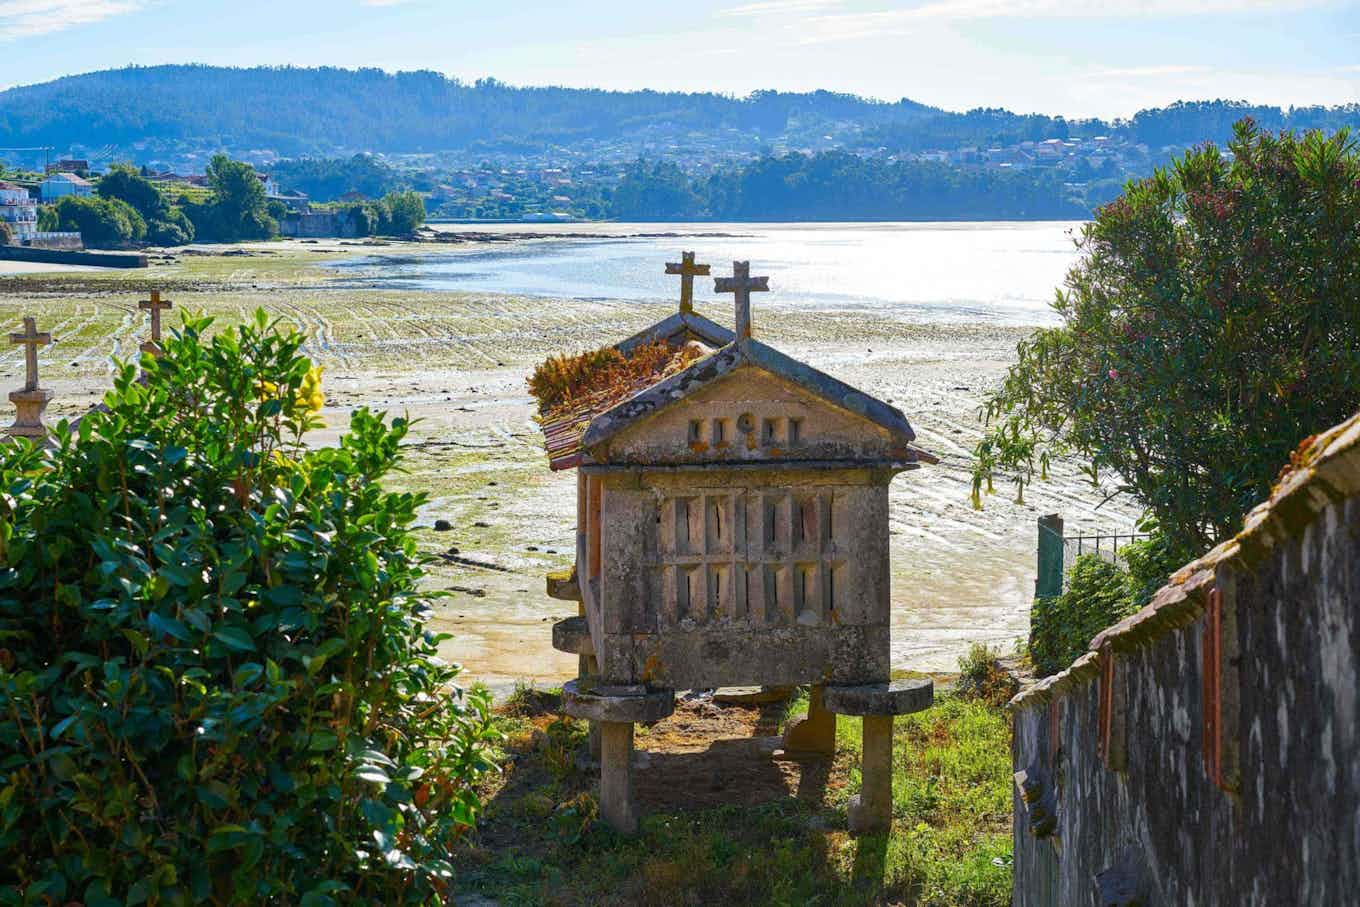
pixel 1048 583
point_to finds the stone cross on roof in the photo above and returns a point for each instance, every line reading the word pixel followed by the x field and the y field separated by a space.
pixel 155 305
pixel 31 340
pixel 741 284
pixel 687 270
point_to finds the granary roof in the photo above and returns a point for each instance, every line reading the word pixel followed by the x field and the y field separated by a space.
pixel 680 326
pixel 1325 468
pixel 563 427
pixel 744 352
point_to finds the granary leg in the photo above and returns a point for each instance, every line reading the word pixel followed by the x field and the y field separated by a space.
pixel 591 669
pixel 817 732
pixel 877 703
pixel 615 709
pixel 616 775
pixel 871 811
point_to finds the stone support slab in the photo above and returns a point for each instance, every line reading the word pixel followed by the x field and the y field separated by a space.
pixel 900 697
pixel 585 698
pixel 572 635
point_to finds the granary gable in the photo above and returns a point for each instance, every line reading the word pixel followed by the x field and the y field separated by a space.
pixel 748 401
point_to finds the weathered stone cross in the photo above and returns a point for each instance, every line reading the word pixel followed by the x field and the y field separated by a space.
pixel 155 305
pixel 31 340
pixel 687 270
pixel 741 284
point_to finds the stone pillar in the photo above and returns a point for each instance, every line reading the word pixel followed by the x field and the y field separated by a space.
pixel 29 406
pixel 592 669
pixel 817 732
pixel 615 709
pixel 616 774
pixel 871 811
pixel 877 703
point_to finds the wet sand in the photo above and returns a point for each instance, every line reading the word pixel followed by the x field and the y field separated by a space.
pixel 458 362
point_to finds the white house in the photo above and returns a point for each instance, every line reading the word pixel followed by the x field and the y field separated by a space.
pixel 61 184
pixel 19 210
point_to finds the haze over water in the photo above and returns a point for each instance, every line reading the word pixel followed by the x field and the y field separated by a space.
pixel 1001 272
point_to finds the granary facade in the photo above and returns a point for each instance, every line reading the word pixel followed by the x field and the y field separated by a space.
pixel 732 529
pixel 736 526
pixel 1205 750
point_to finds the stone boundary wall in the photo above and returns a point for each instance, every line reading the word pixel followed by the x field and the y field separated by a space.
pixel 56 240
pixel 318 224
pixel 1206 750
pixel 71 257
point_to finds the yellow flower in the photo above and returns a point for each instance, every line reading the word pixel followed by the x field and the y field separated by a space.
pixel 265 389
pixel 310 395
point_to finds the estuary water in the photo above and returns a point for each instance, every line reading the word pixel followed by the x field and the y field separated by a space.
pixel 1003 272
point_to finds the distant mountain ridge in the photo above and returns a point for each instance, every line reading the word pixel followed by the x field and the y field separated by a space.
pixel 329 111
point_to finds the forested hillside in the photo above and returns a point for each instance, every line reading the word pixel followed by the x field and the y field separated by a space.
pixel 297 112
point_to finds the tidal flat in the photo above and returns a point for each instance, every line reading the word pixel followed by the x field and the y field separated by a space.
pixel 458 362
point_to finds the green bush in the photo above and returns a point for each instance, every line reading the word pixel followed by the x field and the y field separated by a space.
pixel 1061 627
pixel 215 682
pixel 1211 324
pixel 101 222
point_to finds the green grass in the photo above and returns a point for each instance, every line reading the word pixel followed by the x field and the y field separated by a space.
pixel 950 843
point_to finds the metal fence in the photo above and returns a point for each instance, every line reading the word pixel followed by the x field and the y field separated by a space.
pixel 1056 552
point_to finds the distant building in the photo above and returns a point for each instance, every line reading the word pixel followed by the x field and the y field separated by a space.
pixel 59 185
pixel 69 165
pixel 19 211
pixel 270 187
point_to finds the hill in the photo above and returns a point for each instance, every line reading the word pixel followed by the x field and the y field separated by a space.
pixel 329 110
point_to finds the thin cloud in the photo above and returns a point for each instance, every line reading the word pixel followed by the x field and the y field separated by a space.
pixel 778 7
pixel 1148 72
pixel 28 18
pixel 821 21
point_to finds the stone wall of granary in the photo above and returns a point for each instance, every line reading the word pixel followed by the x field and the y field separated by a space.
pixel 1207 750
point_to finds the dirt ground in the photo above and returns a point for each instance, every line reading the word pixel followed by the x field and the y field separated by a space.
pixel 458 362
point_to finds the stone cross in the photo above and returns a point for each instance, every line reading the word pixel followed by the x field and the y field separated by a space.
pixel 155 305
pixel 31 340
pixel 741 284
pixel 31 400
pixel 687 270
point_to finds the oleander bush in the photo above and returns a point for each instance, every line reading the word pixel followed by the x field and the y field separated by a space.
pixel 1211 323
pixel 216 686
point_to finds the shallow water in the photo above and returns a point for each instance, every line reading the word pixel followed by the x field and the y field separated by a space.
pixel 998 272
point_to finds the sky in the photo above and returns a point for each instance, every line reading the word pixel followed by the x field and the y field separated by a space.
pixel 1106 58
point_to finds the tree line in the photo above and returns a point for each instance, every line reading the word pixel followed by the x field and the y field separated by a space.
pixel 838 185
pixel 128 209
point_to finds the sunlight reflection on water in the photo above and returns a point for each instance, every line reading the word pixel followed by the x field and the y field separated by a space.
pixel 1003 272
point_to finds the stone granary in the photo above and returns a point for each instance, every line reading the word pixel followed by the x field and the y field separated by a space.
pixel 732 529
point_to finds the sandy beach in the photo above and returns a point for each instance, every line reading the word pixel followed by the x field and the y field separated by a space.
pixel 458 362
